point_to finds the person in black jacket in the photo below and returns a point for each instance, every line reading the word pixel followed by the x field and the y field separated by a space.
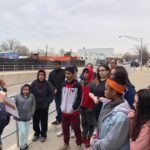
pixel 43 93
pixel 4 116
pixel 57 77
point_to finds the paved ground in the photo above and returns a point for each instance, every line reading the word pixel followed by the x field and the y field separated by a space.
pixel 140 79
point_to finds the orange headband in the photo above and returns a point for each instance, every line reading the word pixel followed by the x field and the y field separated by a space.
pixel 116 86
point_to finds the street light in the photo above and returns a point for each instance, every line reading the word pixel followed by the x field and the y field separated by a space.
pixel 138 40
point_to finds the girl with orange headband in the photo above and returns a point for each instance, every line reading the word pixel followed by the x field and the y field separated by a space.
pixel 113 123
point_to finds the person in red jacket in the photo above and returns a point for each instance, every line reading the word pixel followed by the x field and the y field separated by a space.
pixel 87 107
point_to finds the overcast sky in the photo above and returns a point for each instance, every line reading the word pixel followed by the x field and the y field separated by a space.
pixel 73 24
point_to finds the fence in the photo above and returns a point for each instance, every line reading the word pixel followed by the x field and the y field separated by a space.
pixel 25 67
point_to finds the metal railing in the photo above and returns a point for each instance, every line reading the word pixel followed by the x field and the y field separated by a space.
pixel 17 129
pixel 25 67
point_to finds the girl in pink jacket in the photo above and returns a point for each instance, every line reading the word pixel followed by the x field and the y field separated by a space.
pixel 140 121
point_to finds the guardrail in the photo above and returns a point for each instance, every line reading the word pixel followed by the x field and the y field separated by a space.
pixel 25 67
pixel 17 129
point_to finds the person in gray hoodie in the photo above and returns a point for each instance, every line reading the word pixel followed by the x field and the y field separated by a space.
pixel 25 104
pixel 113 123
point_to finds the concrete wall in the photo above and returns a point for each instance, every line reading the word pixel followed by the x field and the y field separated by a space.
pixel 19 77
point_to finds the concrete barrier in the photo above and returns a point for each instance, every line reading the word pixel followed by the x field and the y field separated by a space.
pixel 19 77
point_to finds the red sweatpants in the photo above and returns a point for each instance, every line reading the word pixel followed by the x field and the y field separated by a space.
pixel 74 122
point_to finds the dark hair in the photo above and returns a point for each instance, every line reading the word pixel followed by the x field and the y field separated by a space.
pixel 75 68
pixel 120 77
pixel 122 70
pixel 43 71
pixel 98 78
pixel 142 112
pixel 25 85
pixel 90 65
pixel 57 62
pixel 70 69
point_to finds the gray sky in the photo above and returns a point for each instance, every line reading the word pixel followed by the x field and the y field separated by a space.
pixel 73 24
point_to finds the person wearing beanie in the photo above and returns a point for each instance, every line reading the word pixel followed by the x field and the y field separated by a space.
pixel 56 78
pixel 44 94
pixel 71 100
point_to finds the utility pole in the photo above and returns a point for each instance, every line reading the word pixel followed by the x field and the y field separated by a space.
pixel 46 56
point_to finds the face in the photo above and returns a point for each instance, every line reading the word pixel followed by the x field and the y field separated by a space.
pixel 56 66
pixel 103 72
pixel 75 74
pixel 89 65
pixel 25 91
pixel 86 75
pixel 108 92
pixel 41 76
pixel 69 76
pixel 112 64
pixel 112 75
pixel 135 101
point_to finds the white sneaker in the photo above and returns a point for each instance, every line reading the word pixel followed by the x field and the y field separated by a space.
pixel 72 133
pixel 60 133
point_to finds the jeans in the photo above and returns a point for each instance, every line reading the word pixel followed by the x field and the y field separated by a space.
pixel 23 132
pixel 88 122
pixel 58 109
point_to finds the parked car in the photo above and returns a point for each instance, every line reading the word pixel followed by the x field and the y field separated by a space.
pixel 148 63
pixel 134 63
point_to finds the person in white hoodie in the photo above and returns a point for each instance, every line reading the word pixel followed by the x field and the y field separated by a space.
pixel 113 123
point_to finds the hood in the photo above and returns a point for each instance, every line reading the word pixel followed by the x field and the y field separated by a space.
pixel 21 91
pixel 43 71
pixel 123 107
pixel 90 70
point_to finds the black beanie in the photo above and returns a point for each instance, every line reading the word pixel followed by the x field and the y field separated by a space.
pixel 70 69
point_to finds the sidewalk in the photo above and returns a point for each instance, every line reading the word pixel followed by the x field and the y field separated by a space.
pixel 52 143
pixel 141 79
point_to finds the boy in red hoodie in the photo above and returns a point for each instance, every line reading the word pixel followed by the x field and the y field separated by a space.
pixel 87 113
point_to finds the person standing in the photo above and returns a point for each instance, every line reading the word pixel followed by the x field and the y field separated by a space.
pixel 97 88
pixel 87 108
pixel 130 91
pixel 4 116
pixel 44 94
pixel 57 77
pixel 25 104
pixel 113 123
pixel 71 100
pixel 140 121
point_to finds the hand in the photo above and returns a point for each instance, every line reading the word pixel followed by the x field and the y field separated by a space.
pixel 96 100
pixel 131 114
pixel 92 138
pixel 2 95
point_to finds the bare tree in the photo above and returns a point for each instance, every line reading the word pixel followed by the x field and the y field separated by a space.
pixel 14 46
pixel 145 54
pixel 9 44
pixel 127 57
pixel 22 50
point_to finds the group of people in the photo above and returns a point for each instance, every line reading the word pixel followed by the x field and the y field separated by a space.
pixel 101 108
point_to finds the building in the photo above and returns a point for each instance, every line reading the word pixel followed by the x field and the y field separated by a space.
pixel 95 55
